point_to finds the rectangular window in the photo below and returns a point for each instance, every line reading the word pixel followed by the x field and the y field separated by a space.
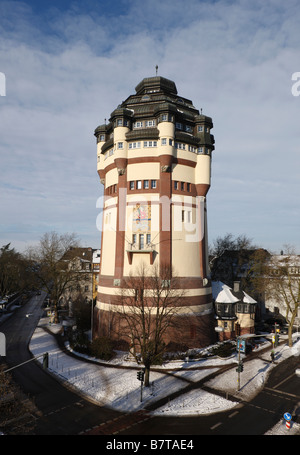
pixel 138 125
pixel 200 129
pixel 150 143
pixel 150 123
pixel 134 145
pixel 178 145
pixel 146 184
pixel 139 185
pixel 141 240
pixel 186 216
pixel 153 184
pixel 119 122
pixel 182 186
pixel 120 145
pixel 164 141
pixel 148 239
pixel 175 185
pixel 133 239
pixel 188 187
pixel 170 142
pixel 131 185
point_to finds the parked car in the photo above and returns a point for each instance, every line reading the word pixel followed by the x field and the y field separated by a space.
pixel 297 371
pixel 284 330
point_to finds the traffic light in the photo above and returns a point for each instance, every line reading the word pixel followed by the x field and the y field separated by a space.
pixel 240 367
pixel 45 360
pixel 140 375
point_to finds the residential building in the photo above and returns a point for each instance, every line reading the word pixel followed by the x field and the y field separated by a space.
pixel 235 310
pixel 96 269
pixel 283 287
pixel 81 283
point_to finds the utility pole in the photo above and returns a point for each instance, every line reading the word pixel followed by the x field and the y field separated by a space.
pixel 240 366
pixel 239 363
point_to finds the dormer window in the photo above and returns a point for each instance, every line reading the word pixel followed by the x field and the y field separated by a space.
pixel 150 123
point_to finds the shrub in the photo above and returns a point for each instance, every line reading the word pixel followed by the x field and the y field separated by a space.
pixel 223 350
pixel 79 342
pixel 102 348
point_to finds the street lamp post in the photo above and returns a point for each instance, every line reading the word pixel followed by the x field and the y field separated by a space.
pixel 240 364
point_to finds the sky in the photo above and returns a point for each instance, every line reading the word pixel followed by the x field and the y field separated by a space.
pixel 66 65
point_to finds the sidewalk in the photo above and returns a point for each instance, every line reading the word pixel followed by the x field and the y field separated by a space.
pixel 177 388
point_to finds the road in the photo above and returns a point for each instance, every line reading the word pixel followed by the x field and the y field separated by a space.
pixel 281 394
pixel 61 411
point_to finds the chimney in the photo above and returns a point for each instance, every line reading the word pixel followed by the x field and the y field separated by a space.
pixel 236 286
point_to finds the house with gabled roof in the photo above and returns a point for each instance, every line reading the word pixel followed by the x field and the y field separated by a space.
pixel 234 310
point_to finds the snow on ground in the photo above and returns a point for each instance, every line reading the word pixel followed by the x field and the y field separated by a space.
pixel 119 388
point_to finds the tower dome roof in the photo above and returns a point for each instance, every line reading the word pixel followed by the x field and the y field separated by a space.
pixel 157 83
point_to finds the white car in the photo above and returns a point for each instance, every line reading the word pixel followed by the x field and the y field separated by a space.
pixel 297 371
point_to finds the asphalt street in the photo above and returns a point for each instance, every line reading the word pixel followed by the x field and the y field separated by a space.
pixel 61 411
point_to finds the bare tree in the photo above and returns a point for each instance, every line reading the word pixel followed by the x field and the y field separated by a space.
pixel 51 271
pixel 230 257
pixel 13 271
pixel 278 276
pixel 148 309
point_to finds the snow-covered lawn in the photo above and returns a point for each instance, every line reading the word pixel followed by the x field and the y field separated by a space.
pixel 119 387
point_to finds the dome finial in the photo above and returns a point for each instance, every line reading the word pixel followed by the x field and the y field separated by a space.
pixel 156 69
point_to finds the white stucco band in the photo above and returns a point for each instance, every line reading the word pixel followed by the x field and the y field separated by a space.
pixel 192 310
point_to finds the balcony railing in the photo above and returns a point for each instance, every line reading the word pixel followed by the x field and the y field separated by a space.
pixel 137 248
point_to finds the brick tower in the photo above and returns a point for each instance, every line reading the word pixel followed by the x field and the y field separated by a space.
pixel 154 160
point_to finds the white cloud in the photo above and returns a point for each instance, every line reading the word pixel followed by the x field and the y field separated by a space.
pixel 65 75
